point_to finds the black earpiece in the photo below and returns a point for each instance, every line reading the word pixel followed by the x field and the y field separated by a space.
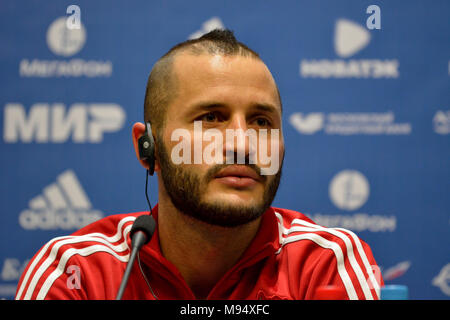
pixel 147 148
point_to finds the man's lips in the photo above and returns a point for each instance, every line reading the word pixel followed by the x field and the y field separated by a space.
pixel 240 171
pixel 239 176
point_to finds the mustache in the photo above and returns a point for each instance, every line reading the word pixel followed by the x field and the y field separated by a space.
pixel 212 172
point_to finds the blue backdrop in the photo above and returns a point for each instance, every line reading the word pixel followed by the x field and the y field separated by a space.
pixel 366 118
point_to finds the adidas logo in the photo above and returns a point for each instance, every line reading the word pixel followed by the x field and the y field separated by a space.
pixel 349 39
pixel 62 205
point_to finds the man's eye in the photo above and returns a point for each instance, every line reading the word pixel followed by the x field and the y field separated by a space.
pixel 209 117
pixel 262 122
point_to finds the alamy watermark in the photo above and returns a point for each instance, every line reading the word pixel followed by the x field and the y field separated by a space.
pixel 74 279
pixel 261 147
pixel 374 20
pixel 74 20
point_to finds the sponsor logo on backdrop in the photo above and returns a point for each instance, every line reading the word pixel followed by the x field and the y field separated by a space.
pixel 441 122
pixel 442 280
pixel 349 190
pixel 349 39
pixel 65 42
pixel 207 26
pixel 396 271
pixel 349 123
pixel 56 123
pixel 62 205
pixel 10 273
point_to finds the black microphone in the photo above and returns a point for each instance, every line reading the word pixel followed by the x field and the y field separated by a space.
pixel 141 233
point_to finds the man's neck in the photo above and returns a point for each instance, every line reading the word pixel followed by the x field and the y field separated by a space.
pixel 202 253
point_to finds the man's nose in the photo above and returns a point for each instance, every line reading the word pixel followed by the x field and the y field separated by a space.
pixel 237 122
pixel 237 146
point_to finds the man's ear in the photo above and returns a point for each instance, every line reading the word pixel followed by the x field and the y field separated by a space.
pixel 137 131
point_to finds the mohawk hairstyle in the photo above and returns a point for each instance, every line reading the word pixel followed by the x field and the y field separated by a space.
pixel 162 86
pixel 217 41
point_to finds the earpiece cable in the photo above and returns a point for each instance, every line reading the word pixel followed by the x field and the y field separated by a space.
pixel 145 277
pixel 146 193
pixel 138 256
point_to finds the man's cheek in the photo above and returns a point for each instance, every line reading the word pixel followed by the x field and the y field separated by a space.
pixel 269 148
pixel 181 151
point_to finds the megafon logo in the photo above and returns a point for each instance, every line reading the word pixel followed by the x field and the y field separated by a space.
pixel 54 123
pixel 349 39
pixel 349 190
pixel 65 42
pixel 62 205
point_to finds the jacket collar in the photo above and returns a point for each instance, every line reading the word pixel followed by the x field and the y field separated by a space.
pixel 265 243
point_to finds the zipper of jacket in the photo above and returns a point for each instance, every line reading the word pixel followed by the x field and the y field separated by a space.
pixel 249 261
pixel 167 272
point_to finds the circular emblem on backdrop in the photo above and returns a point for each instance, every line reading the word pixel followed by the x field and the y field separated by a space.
pixel 349 190
pixel 63 41
pixel 441 122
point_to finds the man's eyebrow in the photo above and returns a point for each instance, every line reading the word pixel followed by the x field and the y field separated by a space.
pixel 213 105
pixel 265 108
pixel 205 105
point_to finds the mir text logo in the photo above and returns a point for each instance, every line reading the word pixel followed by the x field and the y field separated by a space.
pixel 57 123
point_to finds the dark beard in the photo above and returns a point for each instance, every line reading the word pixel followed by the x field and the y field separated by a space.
pixel 185 189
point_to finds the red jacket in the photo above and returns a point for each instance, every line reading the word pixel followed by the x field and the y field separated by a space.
pixel 289 258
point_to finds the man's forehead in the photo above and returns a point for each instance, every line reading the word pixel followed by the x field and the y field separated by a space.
pixel 196 65
pixel 191 70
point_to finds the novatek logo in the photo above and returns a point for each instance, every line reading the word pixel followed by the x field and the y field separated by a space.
pixel 57 124
pixel 65 42
pixel 349 39
pixel 62 205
